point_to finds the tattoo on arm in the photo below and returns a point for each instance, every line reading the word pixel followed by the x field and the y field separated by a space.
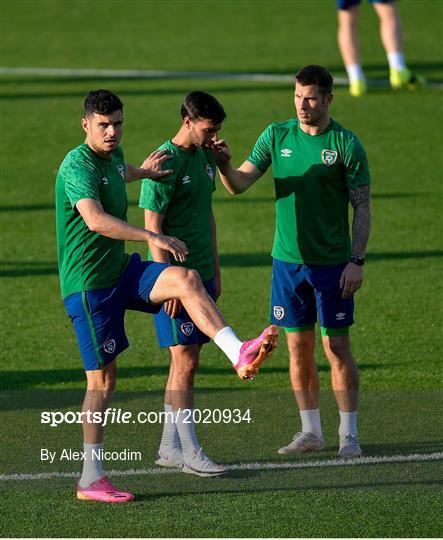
pixel 361 203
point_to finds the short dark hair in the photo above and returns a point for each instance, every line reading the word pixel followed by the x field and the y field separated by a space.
pixel 199 104
pixel 102 102
pixel 318 75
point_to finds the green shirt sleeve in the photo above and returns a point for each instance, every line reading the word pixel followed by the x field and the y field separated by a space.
pixel 81 181
pixel 356 164
pixel 155 195
pixel 261 155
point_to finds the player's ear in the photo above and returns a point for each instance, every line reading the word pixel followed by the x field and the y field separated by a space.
pixel 187 121
pixel 85 124
pixel 329 99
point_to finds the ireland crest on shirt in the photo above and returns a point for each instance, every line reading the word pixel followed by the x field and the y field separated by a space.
pixel 121 171
pixel 210 171
pixel 329 157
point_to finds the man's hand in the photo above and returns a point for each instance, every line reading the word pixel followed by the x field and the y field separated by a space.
pixel 222 152
pixel 173 307
pixel 351 279
pixel 171 244
pixel 153 164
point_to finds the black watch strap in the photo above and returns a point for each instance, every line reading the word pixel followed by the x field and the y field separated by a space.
pixel 360 261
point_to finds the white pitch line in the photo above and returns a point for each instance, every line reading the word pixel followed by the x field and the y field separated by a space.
pixel 256 466
pixel 160 74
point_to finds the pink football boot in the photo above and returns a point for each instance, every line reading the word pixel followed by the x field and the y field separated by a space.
pixel 255 351
pixel 102 490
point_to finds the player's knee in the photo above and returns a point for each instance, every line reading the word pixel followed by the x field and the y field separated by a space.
pixel 190 365
pixel 186 364
pixel 103 382
pixel 300 350
pixel 192 280
pixel 337 349
pixel 300 355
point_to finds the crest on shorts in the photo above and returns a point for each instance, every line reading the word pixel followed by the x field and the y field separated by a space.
pixel 187 328
pixel 121 171
pixel 279 312
pixel 329 157
pixel 210 171
pixel 109 346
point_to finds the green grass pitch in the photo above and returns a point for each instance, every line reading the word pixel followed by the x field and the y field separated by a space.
pixel 397 339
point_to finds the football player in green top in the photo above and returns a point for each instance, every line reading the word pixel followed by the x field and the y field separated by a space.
pixel 318 168
pixel 99 281
pixel 181 205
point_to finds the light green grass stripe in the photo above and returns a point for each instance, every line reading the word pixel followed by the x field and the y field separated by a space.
pixel 160 74
pixel 256 466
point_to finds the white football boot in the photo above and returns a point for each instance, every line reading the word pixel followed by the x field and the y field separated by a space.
pixel 200 464
pixel 303 442
pixel 170 458
pixel 349 447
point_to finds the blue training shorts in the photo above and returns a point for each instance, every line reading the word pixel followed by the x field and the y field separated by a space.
pixel 181 330
pixel 346 4
pixel 98 315
pixel 302 292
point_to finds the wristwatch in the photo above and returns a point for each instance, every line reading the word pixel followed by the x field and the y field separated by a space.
pixel 359 261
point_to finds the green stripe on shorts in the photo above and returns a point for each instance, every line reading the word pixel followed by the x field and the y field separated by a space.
pixel 305 328
pixel 331 332
pixel 174 331
pixel 91 329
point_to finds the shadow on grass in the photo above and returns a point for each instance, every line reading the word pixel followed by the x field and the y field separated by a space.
pixel 43 207
pixel 59 399
pixel 36 380
pixel 327 486
pixel 228 260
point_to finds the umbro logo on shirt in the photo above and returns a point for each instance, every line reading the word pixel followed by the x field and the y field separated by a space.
pixel 340 316
pixel 186 179
pixel 105 181
pixel 285 152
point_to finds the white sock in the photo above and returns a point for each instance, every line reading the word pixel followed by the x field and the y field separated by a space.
pixel 186 431
pixel 228 343
pixel 310 422
pixel 355 73
pixel 170 438
pixel 348 423
pixel 92 464
pixel 396 60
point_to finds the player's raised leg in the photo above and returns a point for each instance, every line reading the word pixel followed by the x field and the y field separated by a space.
pixel 305 385
pixel 184 284
pixel 345 383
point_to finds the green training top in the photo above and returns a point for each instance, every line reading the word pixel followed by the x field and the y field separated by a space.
pixel 184 198
pixel 86 259
pixel 312 177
